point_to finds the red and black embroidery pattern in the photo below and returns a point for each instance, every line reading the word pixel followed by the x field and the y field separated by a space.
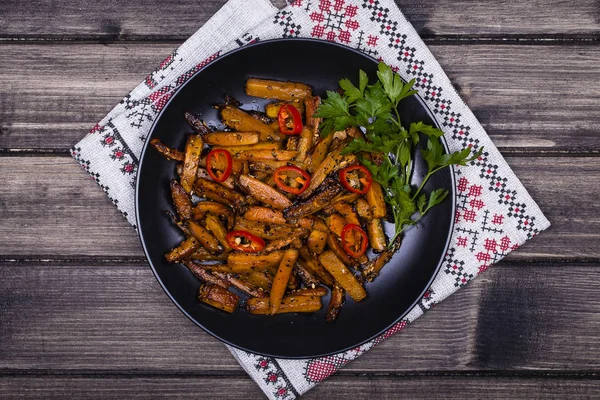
pixel 494 213
pixel 274 378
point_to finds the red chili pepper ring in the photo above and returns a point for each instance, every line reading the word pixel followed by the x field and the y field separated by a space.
pixel 245 241
pixel 290 120
pixel 356 179
pixel 354 240
pixel 219 164
pixel 291 179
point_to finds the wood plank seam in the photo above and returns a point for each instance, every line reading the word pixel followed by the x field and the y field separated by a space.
pixel 518 39
pixel 506 151
pixel 343 373
pixel 66 261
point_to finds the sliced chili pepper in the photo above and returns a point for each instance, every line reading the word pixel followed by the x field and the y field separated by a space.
pixel 291 179
pixel 290 120
pixel 354 240
pixel 219 164
pixel 245 241
pixel 356 179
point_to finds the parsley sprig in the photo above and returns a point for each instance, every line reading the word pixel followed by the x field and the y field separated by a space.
pixel 388 149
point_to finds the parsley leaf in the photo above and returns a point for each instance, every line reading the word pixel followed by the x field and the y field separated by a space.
pixel 350 91
pixel 333 106
pixel 421 203
pixel 433 154
pixel 435 198
pixel 335 111
pixel 428 130
pixel 393 85
pixel 374 108
pixel 436 160
pixel 374 103
pixel 363 80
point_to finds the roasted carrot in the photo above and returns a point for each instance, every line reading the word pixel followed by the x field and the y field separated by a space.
pixel 263 192
pixel 282 277
pixel 231 138
pixel 167 152
pixel 218 297
pixel 244 122
pixel 289 304
pixel 193 148
pixel 269 89
pixel 342 275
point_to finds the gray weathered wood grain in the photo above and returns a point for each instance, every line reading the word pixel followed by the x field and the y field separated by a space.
pixel 99 326
pixel 52 208
pixel 527 96
pixel 336 387
pixel 53 94
pixel 111 20
pixel 112 318
pixel 55 207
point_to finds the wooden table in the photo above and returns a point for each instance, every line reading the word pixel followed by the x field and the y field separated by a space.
pixel 82 315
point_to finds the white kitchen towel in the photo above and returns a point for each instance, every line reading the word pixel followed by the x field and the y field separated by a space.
pixel 494 214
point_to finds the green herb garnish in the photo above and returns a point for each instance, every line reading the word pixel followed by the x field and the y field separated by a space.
pixel 374 108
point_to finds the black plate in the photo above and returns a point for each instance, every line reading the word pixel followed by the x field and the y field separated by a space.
pixel 401 283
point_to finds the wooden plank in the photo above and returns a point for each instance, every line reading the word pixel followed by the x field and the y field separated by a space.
pixel 69 318
pixel 105 20
pixel 99 317
pixel 557 186
pixel 51 206
pixel 337 387
pixel 50 102
pixel 522 96
pixel 179 19
pixel 455 387
pixel 59 97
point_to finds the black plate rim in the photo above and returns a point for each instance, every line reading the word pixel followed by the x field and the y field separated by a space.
pixel 143 243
